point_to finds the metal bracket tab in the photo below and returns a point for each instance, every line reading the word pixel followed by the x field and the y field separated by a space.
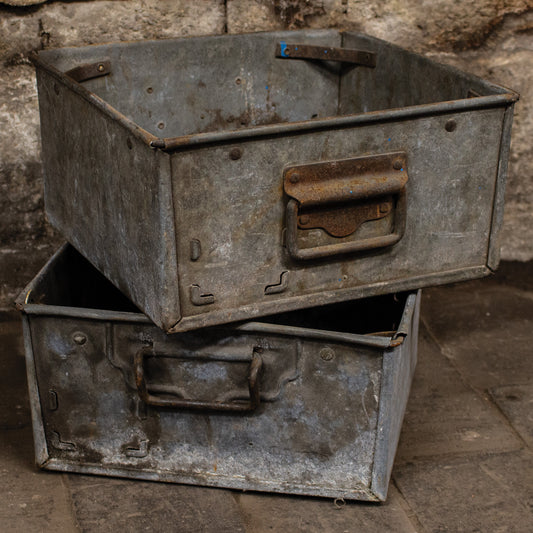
pixel 326 53
pixel 89 71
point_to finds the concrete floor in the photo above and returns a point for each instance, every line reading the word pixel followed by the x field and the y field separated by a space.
pixel 464 463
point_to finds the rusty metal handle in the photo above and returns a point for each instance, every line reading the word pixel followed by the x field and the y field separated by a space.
pixel 340 195
pixel 181 403
pixel 325 53
pixel 362 245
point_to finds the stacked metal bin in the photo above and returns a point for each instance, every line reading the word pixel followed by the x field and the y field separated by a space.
pixel 219 180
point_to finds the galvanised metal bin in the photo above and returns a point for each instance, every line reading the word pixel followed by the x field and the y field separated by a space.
pixel 307 402
pixel 216 179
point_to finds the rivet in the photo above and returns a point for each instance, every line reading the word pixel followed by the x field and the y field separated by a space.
pixel 235 153
pixel 161 125
pixel 327 354
pixel 450 125
pixel 79 338
pixel 397 165
pixel 383 208
pixel 238 81
pixel 304 219
pixel 295 177
pixel 149 90
pixel 101 68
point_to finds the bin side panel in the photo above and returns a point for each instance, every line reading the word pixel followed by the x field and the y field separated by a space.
pixel 176 87
pixel 109 194
pixel 39 438
pixel 398 369
pixel 236 211
pixel 499 199
pixel 402 78
pixel 312 434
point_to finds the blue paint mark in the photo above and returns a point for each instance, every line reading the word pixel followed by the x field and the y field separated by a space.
pixel 340 279
pixel 388 139
pixel 401 170
pixel 351 192
pixel 296 48
pixel 283 45
pixel 325 51
pixel 266 87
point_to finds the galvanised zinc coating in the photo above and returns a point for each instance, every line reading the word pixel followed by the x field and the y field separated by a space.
pixel 223 178
pixel 330 401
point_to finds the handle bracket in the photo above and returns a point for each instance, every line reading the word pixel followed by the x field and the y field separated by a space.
pixel 325 53
pixel 256 364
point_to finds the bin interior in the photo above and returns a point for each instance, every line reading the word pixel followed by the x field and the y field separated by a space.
pixel 178 87
pixel 71 281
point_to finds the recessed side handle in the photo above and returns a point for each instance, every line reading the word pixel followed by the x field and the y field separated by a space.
pixel 339 196
pixel 326 53
pixel 256 364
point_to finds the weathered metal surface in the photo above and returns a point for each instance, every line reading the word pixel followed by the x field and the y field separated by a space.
pixel 328 404
pixel 183 189
pixel 325 53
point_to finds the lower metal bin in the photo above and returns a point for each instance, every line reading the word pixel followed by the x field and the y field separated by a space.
pixel 306 402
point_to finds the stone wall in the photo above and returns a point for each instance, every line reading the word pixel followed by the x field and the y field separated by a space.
pixel 491 38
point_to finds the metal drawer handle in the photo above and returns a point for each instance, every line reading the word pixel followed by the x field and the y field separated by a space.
pixel 179 403
pixel 339 196
pixel 325 53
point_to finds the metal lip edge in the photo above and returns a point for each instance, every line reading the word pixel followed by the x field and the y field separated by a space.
pixel 249 327
pixel 171 144
pixel 317 334
pixel 84 312
pixel 207 479
pixel 276 34
pixel 253 312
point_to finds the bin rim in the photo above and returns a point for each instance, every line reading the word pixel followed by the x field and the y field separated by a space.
pixel 389 340
pixel 505 98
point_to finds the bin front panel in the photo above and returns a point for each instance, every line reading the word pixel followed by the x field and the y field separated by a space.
pixel 236 213
pixel 330 401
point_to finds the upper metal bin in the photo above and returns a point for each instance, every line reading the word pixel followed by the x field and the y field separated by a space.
pixel 215 179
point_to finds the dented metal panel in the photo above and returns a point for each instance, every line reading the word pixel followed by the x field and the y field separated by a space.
pixel 180 162
pixel 112 394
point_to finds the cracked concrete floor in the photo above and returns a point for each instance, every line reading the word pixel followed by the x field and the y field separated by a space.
pixel 464 463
